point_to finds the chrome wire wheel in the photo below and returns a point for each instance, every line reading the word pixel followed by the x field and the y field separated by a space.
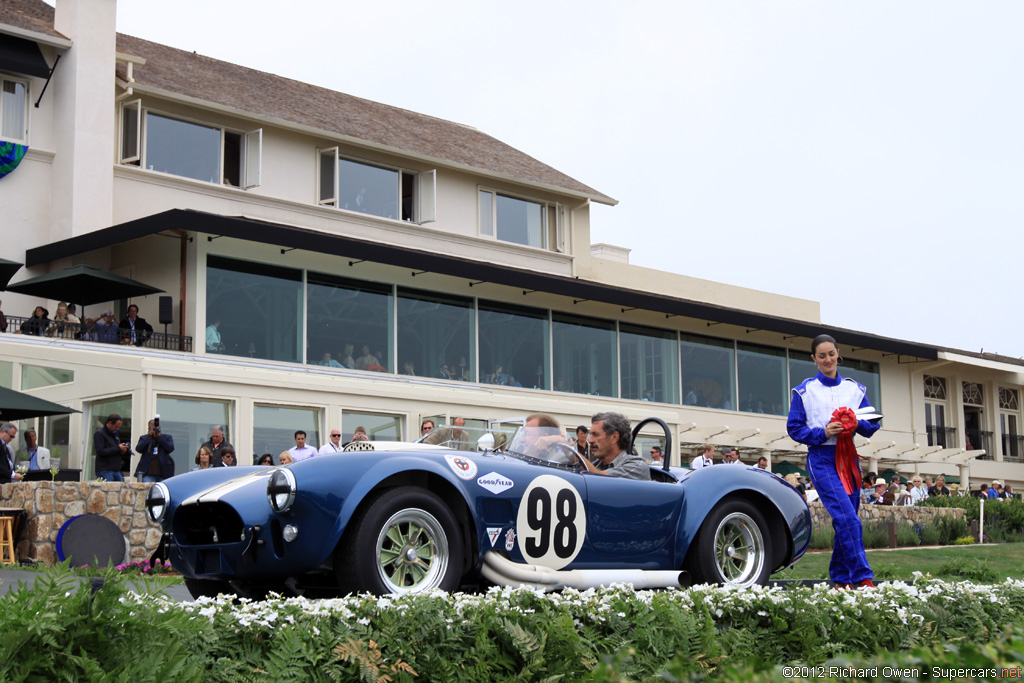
pixel 412 552
pixel 739 550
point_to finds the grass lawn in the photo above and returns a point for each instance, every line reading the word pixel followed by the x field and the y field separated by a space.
pixel 980 563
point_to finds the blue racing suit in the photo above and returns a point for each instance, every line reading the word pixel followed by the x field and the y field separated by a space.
pixel 814 401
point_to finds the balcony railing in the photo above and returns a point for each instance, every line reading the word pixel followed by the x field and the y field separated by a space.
pixel 942 436
pixel 978 440
pixel 1013 448
pixel 92 332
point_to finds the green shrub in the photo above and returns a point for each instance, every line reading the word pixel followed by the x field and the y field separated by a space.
pixel 950 529
pixel 823 537
pixel 907 535
pixel 970 568
pixel 876 535
pixel 930 535
pixel 964 540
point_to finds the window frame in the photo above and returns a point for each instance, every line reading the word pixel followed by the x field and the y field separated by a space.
pixel 424 196
pixel 552 237
pixel 26 83
pixel 250 162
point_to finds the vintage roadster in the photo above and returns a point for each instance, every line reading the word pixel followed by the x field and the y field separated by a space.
pixel 397 518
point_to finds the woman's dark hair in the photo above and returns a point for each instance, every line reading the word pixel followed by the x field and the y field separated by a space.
pixel 266 459
pixel 821 339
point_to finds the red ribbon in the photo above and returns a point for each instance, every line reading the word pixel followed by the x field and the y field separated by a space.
pixel 847 460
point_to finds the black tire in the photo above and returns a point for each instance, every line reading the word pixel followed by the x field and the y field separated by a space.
pixel 205 588
pixel 731 547
pixel 405 541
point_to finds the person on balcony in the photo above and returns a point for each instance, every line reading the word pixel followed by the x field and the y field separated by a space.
pixel 65 325
pixel 134 330
pixel 38 323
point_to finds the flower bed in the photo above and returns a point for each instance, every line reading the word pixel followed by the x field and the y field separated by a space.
pixel 504 634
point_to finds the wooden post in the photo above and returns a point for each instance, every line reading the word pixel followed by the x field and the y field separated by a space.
pixel 892 533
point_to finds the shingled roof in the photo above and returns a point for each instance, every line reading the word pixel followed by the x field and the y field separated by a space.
pixel 268 96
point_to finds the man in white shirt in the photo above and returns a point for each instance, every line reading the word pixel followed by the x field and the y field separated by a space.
pixel 332 446
pixel 705 459
pixel 301 450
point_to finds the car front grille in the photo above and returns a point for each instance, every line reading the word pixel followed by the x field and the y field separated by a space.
pixel 207 524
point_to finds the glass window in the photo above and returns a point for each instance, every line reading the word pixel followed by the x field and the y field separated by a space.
pixel 13 110
pixel 182 148
pixel 650 364
pixel 486 213
pixel 98 412
pixel 513 345
pixel 378 427
pixel 762 379
pixel 369 189
pixel 57 436
pixel 343 317
pixel 188 422
pixel 6 374
pixel 276 426
pixel 435 330
pixel 709 372
pixel 35 376
pixel 584 355
pixel 256 307
pixel 520 221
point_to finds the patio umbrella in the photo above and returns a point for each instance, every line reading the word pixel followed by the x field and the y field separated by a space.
pixel 7 271
pixel 15 405
pixel 82 285
pixel 784 468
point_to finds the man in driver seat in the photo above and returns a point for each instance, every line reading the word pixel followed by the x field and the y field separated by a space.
pixel 610 445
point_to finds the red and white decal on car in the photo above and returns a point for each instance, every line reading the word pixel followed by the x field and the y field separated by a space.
pixel 464 468
pixel 552 522
pixel 492 533
pixel 510 540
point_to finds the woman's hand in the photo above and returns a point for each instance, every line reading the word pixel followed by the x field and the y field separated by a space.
pixel 833 429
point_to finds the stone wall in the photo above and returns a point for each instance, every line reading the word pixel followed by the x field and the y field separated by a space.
pixel 870 514
pixel 48 505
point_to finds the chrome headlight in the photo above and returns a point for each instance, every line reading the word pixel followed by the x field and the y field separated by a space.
pixel 157 501
pixel 281 489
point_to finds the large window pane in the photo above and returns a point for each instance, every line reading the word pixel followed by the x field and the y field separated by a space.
pixel 344 317
pixel 98 412
pixel 513 345
pixel 6 375
pixel 257 307
pixel 12 110
pixel 189 422
pixel 708 368
pixel 649 362
pixel 520 221
pixel 378 427
pixel 35 376
pixel 584 353
pixel 275 430
pixel 435 330
pixel 182 148
pixel 56 435
pixel 369 189
pixel 864 372
pixel 762 379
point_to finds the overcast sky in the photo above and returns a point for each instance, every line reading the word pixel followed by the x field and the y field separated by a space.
pixel 865 155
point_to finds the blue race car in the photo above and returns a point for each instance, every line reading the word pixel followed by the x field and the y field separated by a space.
pixel 400 518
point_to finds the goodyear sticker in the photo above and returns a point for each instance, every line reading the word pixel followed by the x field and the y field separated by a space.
pixel 495 483
pixel 464 468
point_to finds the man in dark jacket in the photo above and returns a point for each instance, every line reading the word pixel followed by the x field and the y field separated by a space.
pixel 217 444
pixel 109 449
pixel 133 329
pixel 156 448
pixel 7 434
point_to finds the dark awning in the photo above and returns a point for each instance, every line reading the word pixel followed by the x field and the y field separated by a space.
pixel 14 405
pixel 22 56
pixel 349 247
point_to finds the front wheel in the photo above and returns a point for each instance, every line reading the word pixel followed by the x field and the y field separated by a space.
pixel 406 541
pixel 731 547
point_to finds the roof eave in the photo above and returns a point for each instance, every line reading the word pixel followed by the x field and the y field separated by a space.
pixel 52 41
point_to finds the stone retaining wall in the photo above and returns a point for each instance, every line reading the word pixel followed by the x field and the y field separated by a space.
pixel 48 505
pixel 870 514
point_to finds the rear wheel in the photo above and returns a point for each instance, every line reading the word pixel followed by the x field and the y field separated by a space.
pixel 731 547
pixel 405 541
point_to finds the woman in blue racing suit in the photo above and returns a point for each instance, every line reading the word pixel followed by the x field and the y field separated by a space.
pixel 811 422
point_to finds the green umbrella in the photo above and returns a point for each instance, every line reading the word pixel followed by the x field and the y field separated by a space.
pixel 7 271
pixel 784 468
pixel 15 405
pixel 82 285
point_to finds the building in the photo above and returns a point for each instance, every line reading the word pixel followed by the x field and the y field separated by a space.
pixel 297 229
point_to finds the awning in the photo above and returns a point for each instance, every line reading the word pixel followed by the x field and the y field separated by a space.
pixel 22 56
pixel 287 236
pixel 83 285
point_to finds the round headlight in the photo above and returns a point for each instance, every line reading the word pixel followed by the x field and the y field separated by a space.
pixel 157 501
pixel 281 489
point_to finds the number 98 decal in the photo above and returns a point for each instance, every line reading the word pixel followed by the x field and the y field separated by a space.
pixel 551 523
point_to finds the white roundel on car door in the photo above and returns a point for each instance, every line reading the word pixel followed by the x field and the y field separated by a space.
pixel 551 523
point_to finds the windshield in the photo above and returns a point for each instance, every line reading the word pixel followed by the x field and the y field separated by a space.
pixel 544 444
pixel 467 438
